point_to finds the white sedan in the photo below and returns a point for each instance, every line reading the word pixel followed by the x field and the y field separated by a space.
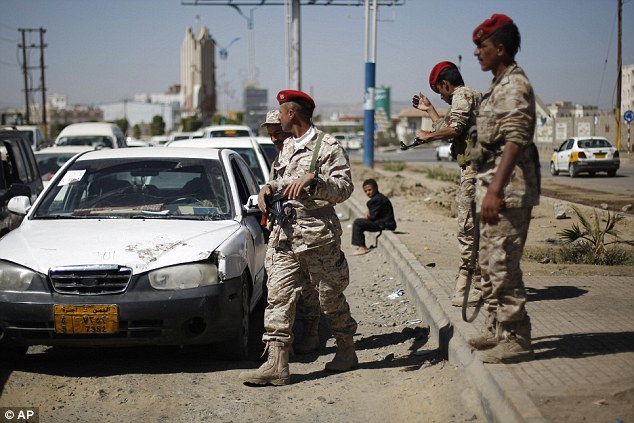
pixel 143 246
pixel 585 154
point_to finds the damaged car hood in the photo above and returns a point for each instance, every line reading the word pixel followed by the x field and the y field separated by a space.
pixel 142 245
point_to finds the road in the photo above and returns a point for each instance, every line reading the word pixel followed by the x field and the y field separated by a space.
pixel 589 190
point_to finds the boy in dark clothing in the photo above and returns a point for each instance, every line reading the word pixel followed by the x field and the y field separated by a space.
pixel 380 216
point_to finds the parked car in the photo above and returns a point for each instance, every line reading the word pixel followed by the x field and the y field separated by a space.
pixel 585 154
pixel 224 131
pixel 443 152
pixel 247 147
pixel 349 141
pixel 92 134
pixel 269 149
pixel 143 246
pixel 50 159
pixel 34 135
pixel 19 175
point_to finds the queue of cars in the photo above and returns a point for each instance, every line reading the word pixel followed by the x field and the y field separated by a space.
pixel 174 257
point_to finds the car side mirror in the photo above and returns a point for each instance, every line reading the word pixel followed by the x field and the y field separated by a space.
pixel 251 207
pixel 19 205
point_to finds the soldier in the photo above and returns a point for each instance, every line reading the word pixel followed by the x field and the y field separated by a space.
pixel 506 191
pixel 446 80
pixel 313 171
pixel 308 303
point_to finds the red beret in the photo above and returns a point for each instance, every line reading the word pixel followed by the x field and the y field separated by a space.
pixel 486 28
pixel 294 95
pixel 433 76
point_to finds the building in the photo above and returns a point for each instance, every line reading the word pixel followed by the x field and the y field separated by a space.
pixel 198 79
pixel 255 105
pixel 142 112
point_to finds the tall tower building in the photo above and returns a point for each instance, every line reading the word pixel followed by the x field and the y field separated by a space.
pixel 198 76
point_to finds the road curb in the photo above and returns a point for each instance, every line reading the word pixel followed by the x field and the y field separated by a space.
pixel 502 397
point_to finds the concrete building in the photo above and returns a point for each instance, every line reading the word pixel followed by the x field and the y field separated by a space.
pixel 198 78
pixel 141 113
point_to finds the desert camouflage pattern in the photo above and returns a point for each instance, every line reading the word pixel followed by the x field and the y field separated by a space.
pixel 334 185
pixel 507 114
pixel 461 117
pixel 466 227
pixel 309 243
pixel 329 275
pixel 501 248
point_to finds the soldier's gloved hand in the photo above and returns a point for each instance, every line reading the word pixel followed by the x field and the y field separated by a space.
pixel 293 190
pixel 265 191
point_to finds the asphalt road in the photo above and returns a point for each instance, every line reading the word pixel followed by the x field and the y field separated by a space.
pixel 621 184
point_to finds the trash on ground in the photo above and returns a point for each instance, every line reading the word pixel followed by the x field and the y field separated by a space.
pixel 396 294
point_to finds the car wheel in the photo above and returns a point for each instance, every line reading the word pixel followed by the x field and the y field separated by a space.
pixel 238 345
pixel 611 173
pixel 591 173
pixel 572 170
pixel 438 157
pixel 553 170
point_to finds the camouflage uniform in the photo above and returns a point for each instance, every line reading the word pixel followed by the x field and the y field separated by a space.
pixel 461 117
pixel 310 241
pixel 507 114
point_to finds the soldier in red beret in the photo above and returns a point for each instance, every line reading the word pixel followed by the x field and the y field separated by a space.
pixel 507 189
pixel 313 174
pixel 446 80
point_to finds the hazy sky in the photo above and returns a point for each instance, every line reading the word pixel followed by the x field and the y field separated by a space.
pixel 105 50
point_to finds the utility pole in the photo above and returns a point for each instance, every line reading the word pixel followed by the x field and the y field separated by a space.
pixel 25 71
pixel 370 78
pixel 619 65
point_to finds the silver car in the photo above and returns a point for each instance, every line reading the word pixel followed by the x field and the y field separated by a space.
pixel 144 246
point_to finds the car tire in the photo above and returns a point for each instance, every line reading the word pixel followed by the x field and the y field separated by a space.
pixel 553 170
pixel 438 157
pixel 591 173
pixel 572 170
pixel 237 347
pixel 611 173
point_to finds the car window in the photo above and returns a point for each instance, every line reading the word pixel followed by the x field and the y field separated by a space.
pixel 133 188
pixel 243 189
pixel 88 140
pixel 15 160
pixel 270 152
pixel 250 156
pixel 570 144
pixel 594 143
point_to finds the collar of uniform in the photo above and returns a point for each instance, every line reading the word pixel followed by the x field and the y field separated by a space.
pixel 301 142
pixel 510 68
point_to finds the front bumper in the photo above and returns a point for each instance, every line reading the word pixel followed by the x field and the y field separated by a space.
pixel 146 316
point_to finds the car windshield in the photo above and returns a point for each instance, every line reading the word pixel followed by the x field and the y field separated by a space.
pixel 93 141
pixel 594 143
pixel 139 188
pixel 49 163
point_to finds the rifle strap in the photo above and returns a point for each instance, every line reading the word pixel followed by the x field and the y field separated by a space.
pixel 313 162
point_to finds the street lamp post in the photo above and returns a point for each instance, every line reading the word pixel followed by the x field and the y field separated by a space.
pixel 224 54
pixel 251 47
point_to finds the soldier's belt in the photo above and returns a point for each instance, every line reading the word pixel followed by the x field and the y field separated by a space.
pixel 320 212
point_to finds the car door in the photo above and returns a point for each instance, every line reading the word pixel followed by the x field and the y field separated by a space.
pixel 563 155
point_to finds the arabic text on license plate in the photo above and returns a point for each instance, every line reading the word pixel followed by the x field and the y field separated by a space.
pixel 599 156
pixel 86 319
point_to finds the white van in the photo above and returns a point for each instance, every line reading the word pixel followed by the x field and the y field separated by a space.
pixel 95 134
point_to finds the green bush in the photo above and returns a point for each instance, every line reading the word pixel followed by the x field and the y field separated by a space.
pixel 443 174
pixel 393 166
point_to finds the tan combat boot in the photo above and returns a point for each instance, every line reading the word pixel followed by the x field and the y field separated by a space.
pixel 310 337
pixel 345 357
pixel 275 371
pixel 514 344
pixel 490 336
pixel 475 294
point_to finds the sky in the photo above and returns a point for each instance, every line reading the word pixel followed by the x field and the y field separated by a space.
pixel 101 51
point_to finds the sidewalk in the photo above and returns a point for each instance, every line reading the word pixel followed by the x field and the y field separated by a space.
pixel 583 335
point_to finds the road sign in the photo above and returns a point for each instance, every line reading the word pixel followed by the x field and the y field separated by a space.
pixel 628 116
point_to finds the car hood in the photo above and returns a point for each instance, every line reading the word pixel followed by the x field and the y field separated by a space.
pixel 142 245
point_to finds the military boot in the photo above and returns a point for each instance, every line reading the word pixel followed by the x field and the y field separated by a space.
pixel 489 337
pixel 345 357
pixel 310 337
pixel 475 294
pixel 514 344
pixel 275 371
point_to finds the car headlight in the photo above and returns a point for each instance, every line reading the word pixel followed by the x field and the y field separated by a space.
pixel 14 277
pixel 185 276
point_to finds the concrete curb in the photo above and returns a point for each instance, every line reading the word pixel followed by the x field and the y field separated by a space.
pixel 502 397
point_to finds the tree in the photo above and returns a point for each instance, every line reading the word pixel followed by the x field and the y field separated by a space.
pixel 191 123
pixel 136 131
pixel 157 127
pixel 123 124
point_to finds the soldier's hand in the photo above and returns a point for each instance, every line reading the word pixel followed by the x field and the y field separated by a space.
pixel 421 102
pixel 265 191
pixel 293 190
pixel 421 134
pixel 490 209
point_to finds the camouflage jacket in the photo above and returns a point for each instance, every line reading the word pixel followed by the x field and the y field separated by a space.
pixel 314 221
pixel 461 117
pixel 507 114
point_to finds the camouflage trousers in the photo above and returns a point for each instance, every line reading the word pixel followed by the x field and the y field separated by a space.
pixel 308 304
pixel 501 248
pixel 328 270
pixel 466 228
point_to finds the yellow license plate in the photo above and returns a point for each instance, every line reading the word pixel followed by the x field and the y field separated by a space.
pixel 600 156
pixel 91 319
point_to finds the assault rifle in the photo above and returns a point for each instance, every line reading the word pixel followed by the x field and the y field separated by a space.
pixel 278 207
